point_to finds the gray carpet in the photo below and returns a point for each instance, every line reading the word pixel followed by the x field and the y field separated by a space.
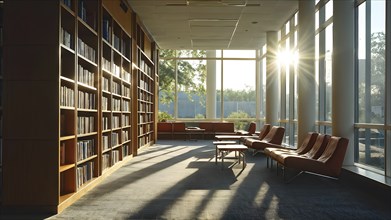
pixel 179 180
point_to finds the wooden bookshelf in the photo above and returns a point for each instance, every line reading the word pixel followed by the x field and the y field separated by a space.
pixel 116 88
pixel 69 122
pixel 146 79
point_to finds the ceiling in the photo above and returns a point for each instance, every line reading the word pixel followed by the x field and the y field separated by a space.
pixel 212 24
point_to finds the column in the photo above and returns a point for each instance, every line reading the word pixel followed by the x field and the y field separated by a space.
pixel 306 70
pixel 211 85
pixel 343 74
pixel 272 93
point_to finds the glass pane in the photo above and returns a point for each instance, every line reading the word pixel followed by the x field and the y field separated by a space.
pixel 328 71
pixel 218 88
pixel 263 98
pixel 191 53
pixel 371 147
pixel 239 54
pixel 317 76
pixel 371 72
pixel 166 89
pixel 191 88
pixel 239 89
pixel 329 9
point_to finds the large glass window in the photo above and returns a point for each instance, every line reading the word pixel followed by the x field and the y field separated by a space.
pixel 183 84
pixel 371 77
pixel 287 56
pixel 323 65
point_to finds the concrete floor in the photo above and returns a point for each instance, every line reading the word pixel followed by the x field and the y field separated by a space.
pixel 179 180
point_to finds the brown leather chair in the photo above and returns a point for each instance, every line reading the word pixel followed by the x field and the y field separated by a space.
pixel 262 133
pixel 328 164
pixel 272 139
pixel 306 146
pixel 250 131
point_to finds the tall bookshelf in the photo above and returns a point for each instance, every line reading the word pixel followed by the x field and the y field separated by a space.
pixel 116 91
pixel 79 64
pixel 146 79
pixel 69 122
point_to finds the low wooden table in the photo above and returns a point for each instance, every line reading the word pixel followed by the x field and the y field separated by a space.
pixel 194 130
pixel 223 148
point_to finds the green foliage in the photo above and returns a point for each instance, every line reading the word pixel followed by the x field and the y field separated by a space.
pixel 200 116
pixel 240 125
pixel 237 95
pixel 164 116
pixel 372 93
pixel 191 75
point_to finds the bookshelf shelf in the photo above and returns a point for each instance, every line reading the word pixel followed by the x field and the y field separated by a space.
pixel 66 167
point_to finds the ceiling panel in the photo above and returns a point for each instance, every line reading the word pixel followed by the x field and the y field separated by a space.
pixel 212 24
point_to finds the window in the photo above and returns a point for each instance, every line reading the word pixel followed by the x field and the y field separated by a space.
pixel 371 87
pixel 183 78
pixel 287 56
pixel 323 65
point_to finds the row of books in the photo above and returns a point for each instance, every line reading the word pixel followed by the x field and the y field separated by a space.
pixel 120 45
pixel 143 84
pixel 86 100
pixel 106 29
pixel 85 76
pixel 125 150
pixel 105 103
pixel 105 84
pixel 115 122
pixel 67 97
pixel 105 161
pixel 143 129
pixel 86 51
pixel 116 104
pixel 88 16
pixel 105 142
pixel 126 76
pixel 143 107
pixel 145 68
pixel 126 105
pixel 145 96
pixel 66 38
pixel 116 88
pixel 114 139
pixel 125 120
pixel 114 157
pixel 125 135
pixel 106 65
pixel 143 140
pixel 84 173
pixel 85 124
pixel 105 123
pixel 126 91
pixel 85 149
pixel 145 118
pixel 116 70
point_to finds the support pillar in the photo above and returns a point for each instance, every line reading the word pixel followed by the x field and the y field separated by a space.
pixel 211 85
pixel 306 71
pixel 343 74
pixel 272 93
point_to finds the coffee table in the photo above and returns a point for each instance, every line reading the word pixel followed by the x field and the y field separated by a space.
pixel 225 149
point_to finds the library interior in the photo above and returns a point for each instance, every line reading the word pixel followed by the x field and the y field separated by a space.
pixel 195 109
